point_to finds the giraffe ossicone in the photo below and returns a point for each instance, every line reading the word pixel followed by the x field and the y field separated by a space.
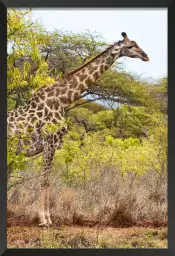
pixel 48 106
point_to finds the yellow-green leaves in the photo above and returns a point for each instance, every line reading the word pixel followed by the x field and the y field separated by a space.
pixel 17 162
pixel 41 77
pixel 27 68
pixel 35 54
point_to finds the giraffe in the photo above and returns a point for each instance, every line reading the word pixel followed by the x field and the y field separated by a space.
pixel 48 105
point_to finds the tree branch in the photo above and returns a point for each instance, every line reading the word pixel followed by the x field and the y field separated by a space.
pixel 82 103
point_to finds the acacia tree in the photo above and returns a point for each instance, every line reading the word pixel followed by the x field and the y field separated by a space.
pixel 67 50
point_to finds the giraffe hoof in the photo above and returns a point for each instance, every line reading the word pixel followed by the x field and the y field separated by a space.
pixel 44 225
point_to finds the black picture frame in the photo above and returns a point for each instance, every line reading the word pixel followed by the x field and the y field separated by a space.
pixel 4 4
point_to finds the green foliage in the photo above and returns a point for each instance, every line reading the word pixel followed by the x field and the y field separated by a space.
pixel 125 154
pixel 16 162
pixel 50 128
pixel 127 89
pixel 132 121
pixel 72 50
pixel 161 85
pixel 27 70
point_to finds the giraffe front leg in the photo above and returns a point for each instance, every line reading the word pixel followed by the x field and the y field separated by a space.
pixel 47 210
pixel 41 205
pixel 43 210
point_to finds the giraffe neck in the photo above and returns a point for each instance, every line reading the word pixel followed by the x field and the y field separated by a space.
pixel 48 104
pixel 79 81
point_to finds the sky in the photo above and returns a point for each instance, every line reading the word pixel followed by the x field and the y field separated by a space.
pixel 148 27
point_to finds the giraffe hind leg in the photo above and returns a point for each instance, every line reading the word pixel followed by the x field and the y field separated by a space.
pixel 47 211
pixel 41 210
pixel 43 203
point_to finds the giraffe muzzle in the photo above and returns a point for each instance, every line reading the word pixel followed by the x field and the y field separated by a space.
pixel 145 58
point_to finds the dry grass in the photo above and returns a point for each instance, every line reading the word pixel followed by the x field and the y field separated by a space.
pixel 106 213
pixel 116 202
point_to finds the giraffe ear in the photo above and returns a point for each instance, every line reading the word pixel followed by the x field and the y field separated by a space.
pixel 124 36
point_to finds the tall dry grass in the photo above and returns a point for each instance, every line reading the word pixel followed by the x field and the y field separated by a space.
pixel 109 199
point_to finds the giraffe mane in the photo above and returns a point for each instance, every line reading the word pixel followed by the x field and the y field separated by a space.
pixel 84 65
pixel 80 67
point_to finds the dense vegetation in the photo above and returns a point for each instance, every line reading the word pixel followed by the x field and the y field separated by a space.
pixel 113 162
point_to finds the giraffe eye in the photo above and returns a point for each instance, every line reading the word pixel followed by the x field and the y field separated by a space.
pixel 129 47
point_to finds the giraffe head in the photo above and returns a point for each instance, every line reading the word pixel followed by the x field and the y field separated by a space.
pixel 131 49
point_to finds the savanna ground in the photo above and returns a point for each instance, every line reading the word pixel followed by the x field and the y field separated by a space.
pixel 87 237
